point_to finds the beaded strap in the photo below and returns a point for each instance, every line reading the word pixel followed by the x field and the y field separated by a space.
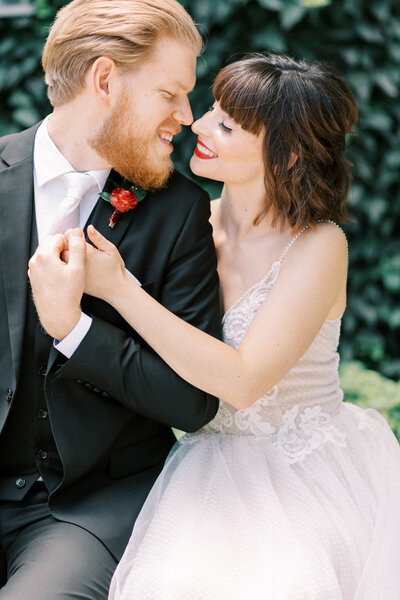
pixel 292 241
pixel 276 265
pixel 296 237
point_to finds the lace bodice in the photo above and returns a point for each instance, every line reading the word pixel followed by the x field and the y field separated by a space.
pixel 298 410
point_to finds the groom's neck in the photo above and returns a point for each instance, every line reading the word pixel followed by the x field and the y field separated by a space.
pixel 70 127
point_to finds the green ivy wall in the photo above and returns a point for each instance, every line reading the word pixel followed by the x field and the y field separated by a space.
pixel 361 38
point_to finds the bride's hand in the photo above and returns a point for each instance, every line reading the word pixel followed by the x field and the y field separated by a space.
pixel 105 269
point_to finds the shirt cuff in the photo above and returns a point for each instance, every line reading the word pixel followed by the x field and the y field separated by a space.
pixel 69 344
pixel 133 277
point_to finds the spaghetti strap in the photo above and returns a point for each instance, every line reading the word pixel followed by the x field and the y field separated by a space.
pixel 290 244
pixel 296 237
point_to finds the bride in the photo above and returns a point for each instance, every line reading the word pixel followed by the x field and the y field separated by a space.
pixel 288 494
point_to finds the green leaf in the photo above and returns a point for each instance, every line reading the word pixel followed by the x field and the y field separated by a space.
pixel 394 51
pixel 269 38
pixel 21 99
pixel 315 3
pixel 368 388
pixel 386 84
pixel 381 10
pixel 390 270
pixel 361 83
pixel 26 116
pixel 291 15
pixel 379 120
pixel 392 317
pixel 6 45
pixel 140 194
pixel 376 209
pixel 105 196
pixel 9 77
pixel 351 55
pixel 392 158
pixel 370 33
pixel 275 5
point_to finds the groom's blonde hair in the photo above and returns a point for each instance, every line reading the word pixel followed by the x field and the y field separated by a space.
pixel 124 30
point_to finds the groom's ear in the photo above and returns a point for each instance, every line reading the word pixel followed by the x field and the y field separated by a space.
pixel 99 77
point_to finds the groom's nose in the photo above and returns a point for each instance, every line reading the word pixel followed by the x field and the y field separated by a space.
pixel 183 113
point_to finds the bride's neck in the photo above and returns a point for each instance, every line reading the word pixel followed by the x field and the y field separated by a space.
pixel 238 208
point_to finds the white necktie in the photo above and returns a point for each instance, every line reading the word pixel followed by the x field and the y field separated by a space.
pixel 67 215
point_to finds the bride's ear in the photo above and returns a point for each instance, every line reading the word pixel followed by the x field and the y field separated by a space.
pixel 292 160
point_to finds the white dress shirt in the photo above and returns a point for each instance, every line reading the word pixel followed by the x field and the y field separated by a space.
pixel 48 165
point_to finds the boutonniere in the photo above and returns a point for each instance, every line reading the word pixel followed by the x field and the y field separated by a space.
pixel 123 200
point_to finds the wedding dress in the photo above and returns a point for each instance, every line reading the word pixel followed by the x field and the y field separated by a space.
pixel 295 498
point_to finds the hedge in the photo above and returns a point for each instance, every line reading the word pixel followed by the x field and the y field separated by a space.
pixel 368 389
pixel 362 40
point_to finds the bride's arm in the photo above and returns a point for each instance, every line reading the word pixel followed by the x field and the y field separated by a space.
pixel 312 277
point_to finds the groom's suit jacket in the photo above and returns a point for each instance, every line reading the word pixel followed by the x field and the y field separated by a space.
pixel 96 427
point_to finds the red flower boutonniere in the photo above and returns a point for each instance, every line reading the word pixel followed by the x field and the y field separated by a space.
pixel 122 200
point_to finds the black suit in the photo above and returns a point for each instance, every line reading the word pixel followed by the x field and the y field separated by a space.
pixel 109 408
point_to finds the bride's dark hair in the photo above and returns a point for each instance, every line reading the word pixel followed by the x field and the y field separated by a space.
pixel 304 110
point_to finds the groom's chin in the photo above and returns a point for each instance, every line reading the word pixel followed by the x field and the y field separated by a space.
pixel 149 179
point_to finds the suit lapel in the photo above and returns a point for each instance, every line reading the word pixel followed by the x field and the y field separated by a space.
pixel 16 201
pixel 99 219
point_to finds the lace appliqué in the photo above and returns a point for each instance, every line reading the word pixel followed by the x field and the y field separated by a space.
pixel 239 316
pixel 299 434
pixel 251 421
pixel 303 432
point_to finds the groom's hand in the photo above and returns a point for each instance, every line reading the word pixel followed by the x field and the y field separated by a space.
pixel 57 285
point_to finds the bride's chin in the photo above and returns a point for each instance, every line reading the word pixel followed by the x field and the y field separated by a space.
pixel 195 167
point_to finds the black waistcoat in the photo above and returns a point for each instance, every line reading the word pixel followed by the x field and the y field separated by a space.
pixel 27 447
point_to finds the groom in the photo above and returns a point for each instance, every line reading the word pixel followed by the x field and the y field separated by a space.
pixel 85 406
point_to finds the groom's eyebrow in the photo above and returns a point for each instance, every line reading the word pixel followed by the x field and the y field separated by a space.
pixel 182 88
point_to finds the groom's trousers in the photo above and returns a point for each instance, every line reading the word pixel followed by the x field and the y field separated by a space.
pixel 45 559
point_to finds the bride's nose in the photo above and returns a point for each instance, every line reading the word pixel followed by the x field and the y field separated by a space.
pixel 199 127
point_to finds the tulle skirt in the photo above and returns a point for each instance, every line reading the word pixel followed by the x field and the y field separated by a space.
pixel 230 518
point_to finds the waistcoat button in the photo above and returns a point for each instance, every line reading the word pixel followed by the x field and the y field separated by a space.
pixel 42 413
pixel 9 394
pixel 42 371
pixel 20 483
pixel 42 454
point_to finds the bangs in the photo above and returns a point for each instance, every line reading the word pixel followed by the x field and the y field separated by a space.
pixel 238 91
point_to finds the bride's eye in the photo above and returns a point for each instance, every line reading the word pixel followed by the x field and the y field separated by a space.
pixel 224 127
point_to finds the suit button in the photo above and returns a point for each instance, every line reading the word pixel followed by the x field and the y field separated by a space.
pixel 42 371
pixel 42 454
pixel 9 394
pixel 20 483
pixel 42 413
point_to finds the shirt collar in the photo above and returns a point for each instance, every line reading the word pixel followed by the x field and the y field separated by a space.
pixel 49 163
